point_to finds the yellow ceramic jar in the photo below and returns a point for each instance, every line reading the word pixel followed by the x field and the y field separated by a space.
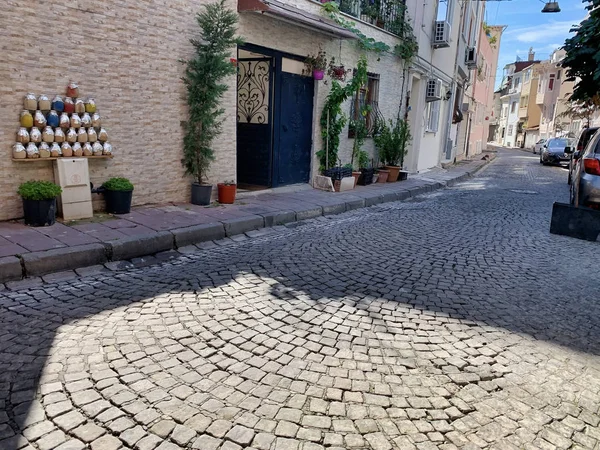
pixel 26 119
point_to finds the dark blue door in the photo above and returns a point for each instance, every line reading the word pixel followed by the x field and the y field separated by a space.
pixel 293 137
pixel 254 128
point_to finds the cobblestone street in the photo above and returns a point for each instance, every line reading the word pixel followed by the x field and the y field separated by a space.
pixel 454 320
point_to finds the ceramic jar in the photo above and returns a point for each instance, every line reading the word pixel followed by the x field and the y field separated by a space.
pixel 66 149
pixel 107 149
pixel 79 106
pixel 39 120
pixel 64 122
pixel 48 135
pixel 55 151
pixel 57 104
pixel 43 103
pixel 96 121
pixel 32 151
pixel 59 135
pixel 18 151
pixel 44 150
pixel 97 149
pixel 77 150
pixel 23 136
pixel 71 136
pixel 90 106
pixel 30 102
pixel 35 135
pixel 75 120
pixel 26 119
pixel 87 149
pixel 82 135
pixel 72 90
pixel 52 119
pixel 69 106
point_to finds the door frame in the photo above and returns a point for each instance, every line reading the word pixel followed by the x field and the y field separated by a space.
pixel 276 70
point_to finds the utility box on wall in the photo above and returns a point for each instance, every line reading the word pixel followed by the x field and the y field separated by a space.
pixel 73 176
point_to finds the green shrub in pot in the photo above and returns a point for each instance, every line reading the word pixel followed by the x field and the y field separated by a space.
pixel 39 202
pixel 118 193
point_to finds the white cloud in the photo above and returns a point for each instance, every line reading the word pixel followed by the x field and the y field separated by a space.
pixel 541 33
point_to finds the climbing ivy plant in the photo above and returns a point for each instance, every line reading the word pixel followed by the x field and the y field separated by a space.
pixel 333 120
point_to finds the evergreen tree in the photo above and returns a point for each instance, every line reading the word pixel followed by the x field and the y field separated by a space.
pixel 204 76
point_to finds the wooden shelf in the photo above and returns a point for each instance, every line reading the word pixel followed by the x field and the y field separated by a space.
pixel 52 158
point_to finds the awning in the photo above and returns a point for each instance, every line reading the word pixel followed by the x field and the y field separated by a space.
pixel 535 128
pixel 296 16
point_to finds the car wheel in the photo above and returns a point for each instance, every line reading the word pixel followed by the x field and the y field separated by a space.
pixel 541 159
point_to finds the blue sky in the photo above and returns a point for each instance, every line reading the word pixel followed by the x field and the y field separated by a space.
pixel 528 27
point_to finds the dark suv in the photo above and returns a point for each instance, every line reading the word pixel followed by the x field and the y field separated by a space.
pixel 582 140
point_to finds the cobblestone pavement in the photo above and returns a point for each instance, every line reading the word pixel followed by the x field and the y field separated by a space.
pixel 451 321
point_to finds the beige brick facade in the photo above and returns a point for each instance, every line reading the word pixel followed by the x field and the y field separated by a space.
pixel 125 55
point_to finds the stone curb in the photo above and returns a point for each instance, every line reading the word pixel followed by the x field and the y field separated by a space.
pixel 114 253
pixel 198 233
pixel 136 246
pixel 10 268
pixel 60 259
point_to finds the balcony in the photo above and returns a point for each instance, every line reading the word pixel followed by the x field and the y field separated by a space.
pixel 523 112
pixel 385 14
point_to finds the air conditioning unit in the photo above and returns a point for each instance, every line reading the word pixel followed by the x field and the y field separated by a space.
pixel 471 57
pixel 434 90
pixel 441 34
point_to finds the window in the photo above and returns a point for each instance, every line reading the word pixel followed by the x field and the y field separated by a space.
pixel 510 130
pixel 445 10
pixel 558 75
pixel 513 107
pixel 524 101
pixel 433 116
pixel 527 76
pixel 552 110
pixel 551 83
pixel 540 85
pixel 366 104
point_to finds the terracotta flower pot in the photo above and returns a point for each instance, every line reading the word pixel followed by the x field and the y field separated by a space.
pixel 356 176
pixel 383 176
pixel 226 193
pixel 394 172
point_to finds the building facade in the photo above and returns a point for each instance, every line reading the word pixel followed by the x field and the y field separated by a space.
pixel 129 63
pixel 484 79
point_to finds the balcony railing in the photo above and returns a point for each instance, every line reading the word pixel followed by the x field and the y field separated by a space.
pixel 385 14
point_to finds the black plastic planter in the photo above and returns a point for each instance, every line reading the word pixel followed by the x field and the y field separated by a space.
pixel 402 176
pixel 39 213
pixel 337 173
pixel 201 194
pixel 118 202
pixel 366 176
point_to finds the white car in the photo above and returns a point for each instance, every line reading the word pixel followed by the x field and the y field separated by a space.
pixel 539 146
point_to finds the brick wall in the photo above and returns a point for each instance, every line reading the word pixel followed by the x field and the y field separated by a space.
pixel 125 55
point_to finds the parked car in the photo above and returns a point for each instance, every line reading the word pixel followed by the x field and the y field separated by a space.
pixel 537 147
pixel 582 140
pixel 554 151
pixel 585 184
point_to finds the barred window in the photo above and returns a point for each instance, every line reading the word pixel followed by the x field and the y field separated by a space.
pixel 365 105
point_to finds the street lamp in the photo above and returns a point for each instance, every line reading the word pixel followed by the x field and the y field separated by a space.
pixel 551 7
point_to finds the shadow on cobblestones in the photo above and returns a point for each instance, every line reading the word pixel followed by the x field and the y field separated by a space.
pixel 457 296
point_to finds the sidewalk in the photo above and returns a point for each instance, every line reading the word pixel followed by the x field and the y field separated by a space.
pixel 27 252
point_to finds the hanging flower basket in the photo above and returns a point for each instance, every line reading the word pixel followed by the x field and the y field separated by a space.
pixel 338 73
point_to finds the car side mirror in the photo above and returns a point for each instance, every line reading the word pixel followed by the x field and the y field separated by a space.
pixel 568 150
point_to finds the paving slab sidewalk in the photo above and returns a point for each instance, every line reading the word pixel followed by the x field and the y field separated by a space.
pixel 27 252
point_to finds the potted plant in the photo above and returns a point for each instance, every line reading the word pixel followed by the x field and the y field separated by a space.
pixel 204 79
pixel 383 175
pixel 316 64
pixel 227 191
pixel 337 71
pixel 391 142
pixel 39 202
pixel 117 194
